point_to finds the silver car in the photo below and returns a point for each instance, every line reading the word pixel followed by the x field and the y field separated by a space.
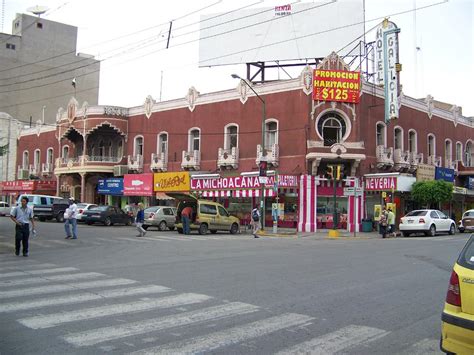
pixel 4 208
pixel 162 217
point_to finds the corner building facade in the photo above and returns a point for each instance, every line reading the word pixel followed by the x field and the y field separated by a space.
pixel 220 135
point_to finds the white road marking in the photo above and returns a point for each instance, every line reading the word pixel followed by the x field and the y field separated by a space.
pixel 37 272
pixel 178 238
pixel 52 320
pixel 68 287
pixel 100 335
pixel 125 238
pixel 230 336
pixel 81 297
pixel 339 340
pixel 45 279
pixel 26 266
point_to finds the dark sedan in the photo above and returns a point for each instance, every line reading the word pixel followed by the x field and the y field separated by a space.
pixel 108 215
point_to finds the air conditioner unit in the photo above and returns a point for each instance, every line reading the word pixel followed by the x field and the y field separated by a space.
pixel 23 174
pixel 120 170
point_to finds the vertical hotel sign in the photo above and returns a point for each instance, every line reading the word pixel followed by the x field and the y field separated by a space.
pixel 388 67
pixel 336 85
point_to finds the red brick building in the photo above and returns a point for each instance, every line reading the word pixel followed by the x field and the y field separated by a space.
pixel 221 133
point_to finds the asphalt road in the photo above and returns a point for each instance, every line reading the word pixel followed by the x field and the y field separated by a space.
pixel 109 292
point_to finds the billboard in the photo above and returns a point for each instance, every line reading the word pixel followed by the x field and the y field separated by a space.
pixel 286 32
pixel 138 184
pixel 336 85
pixel 174 181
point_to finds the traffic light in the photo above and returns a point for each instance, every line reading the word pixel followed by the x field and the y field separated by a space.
pixel 330 172
pixel 262 168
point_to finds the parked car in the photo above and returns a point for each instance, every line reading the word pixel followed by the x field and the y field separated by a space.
pixel 427 221
pixel 4 208
pixel 131 210
pixel 457 327
pixel 467 222
pixel 162 217
pixel 47 207
pixel 208 215
pixel 108 215
pixel 81 207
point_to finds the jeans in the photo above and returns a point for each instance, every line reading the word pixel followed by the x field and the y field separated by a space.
pixel 140 228
pixel 186 226
pixel 22 234
pixel 71 222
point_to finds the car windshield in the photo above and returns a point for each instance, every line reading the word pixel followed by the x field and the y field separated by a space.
pixel 416 213
pixel 99 208
pixel 466 258
pixel 468 214
pixel 152 209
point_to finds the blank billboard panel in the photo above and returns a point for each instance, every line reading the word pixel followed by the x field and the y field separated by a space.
pixel 287 32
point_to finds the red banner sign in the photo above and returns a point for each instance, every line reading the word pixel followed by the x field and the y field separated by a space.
pixel 382 183
pixel 241 182
pixel 336 85
pixel 138 184
pixel 28 185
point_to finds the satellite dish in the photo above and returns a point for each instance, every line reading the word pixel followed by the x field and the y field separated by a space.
pixel 38 10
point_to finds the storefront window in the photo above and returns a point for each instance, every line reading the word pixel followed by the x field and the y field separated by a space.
pixel 325 211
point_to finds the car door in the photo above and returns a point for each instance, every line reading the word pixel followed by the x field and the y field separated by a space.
pixel 224 218
pixel 436 220
pixel 444 221
pixel 168 216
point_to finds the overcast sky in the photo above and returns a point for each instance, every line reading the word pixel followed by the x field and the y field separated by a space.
pixel 134 65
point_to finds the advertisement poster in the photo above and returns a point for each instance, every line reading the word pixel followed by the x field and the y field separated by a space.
pixel 138 184
pixel 336 85
pixel 177 181
pixel 377 212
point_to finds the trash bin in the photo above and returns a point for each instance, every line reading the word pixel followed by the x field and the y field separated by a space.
pixel 366 225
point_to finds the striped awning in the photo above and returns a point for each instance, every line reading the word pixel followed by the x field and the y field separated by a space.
pixel 163 196
pixel 254 193
pixel 225 193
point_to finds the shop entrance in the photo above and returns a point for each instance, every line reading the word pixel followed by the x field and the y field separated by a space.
pixel 325 212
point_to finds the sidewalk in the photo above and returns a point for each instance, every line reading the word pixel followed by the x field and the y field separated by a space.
pixel 320 234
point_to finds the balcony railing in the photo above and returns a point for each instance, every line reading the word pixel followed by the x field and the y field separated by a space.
pixel 86 160
pixel 34 169
pixel 415 160
pixel 191 160
pixel 434 160
pixel 272 156
pixel 46 168
pixel 228 158
pixel 135 162
pixel 159 162
pixel 401 159
pixel 384 156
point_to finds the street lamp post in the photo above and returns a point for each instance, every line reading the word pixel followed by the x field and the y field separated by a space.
pixel 264 152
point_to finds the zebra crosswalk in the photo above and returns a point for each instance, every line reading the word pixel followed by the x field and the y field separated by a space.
pixel 98 313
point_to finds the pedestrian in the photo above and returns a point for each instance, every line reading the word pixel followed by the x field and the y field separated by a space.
pixel 139 220
pixel 391 222
pixel 383 223
pixel 70 220
pixel 255 215
pixel 22 215
pixel 186 216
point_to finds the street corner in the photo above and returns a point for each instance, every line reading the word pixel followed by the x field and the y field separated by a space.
pixel 282 234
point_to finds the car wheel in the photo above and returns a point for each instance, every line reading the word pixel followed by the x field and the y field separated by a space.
pixel 203 229
pixel 162 226
pixel 128 222
pixel 145 227
pixel 89 223
pixel 452 230
pixel 107 222
pixel 234 228
pixel 180 230
pixel 171 228
pixel 42 219
pixel 432 231
pixel 461 230
pixel 406 234
pixel 213 231
pixel 60 217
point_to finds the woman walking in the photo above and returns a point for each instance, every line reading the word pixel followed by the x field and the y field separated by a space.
pixel 139 220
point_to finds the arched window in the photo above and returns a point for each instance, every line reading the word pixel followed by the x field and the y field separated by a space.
pixel 138 146
pixel 163 143
pixel 448 152
pixel 468 154
pixel 194 142
pixel 431 145
pixel 36 158
pixel 271 133
pixel 49 156
pixel 231 136
pixel 331 127
pixel 65 153
pixel 381 134
pixel 458 151
pixel 398 138
pixel 412 141
pixel 26 160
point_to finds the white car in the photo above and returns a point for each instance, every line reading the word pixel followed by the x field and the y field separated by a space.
pixel 4 208
pixel 429 222
pixel 466 224
pixel 81 207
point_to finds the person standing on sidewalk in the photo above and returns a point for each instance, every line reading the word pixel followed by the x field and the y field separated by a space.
pixel 22 216
pixel 255 216
pixel 70 220
pixel 391 223
pixel 140 219
pixel 383 223
pixel 186 215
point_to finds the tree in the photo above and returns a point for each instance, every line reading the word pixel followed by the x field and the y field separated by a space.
pixel 432 193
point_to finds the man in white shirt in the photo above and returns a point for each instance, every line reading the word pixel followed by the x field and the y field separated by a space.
pixel 70 219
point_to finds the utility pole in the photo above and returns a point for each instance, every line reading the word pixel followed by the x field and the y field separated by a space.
pixel 8 146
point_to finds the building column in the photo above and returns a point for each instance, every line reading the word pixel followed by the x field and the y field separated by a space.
pixel 58 184
pixel 83 187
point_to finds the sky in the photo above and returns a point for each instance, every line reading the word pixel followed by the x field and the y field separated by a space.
pixel 130 39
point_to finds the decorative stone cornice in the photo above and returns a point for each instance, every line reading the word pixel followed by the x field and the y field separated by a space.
pixel 242 89
pixel 148 106
pixel 191 98
pixel 306 79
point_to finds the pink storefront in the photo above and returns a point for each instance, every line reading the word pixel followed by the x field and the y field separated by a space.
pixel 316 204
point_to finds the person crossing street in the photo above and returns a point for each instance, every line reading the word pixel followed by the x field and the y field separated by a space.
pixel 139 220
pixel 70 220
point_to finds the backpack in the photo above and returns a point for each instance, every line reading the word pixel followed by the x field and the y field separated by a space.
pixel 255 215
